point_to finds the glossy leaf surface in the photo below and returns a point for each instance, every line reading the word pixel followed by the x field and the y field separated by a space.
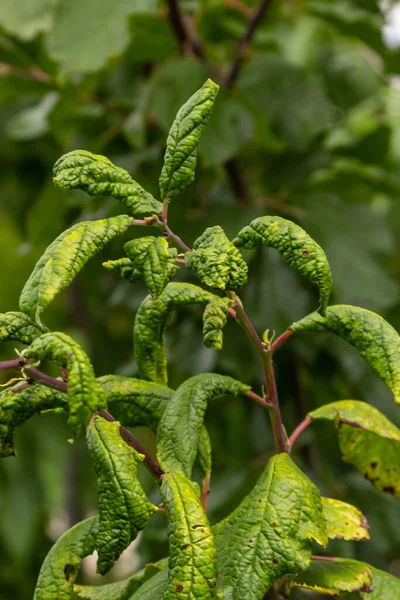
pixel 344 521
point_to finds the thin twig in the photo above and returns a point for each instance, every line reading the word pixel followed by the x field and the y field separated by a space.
pixel 188 43
pixel 46 380
pixel 170 234
pixel 254 22
pixel 273 402
pixel 34 73
pixel 247 325
pixel 237 181
pixel 325 558
pixel 282 338
pixel 205 491
pixel 16 363
pixel 257 398
pixel 299 430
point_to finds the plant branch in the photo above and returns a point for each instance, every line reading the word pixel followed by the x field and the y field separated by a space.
pixel 34 73
pixel 170 234
pixel 282 338
pixel 185 38
pixel 237 181
pixel 46 380
pixel 205 491
pixel 298 431
pixel 16 363
pixel 257 398
pixel 325 558
pixel 273 402
pixel 254 22
pixel 248 327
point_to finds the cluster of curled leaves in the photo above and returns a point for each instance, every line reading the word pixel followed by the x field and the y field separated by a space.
pixel 269 539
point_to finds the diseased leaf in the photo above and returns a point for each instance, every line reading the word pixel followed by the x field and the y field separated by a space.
pixel 373 337
pixel 18 327
pixel 98 176
pixel 214 320
pixel 183 140
pixel 63 260
pixel 270 534
pixel 332 578
pixel 124 507
pixel 150 324
pixel 344 521
pixel 385 586
pixel 85 394
pixel 153 589
pixel 180 426
pixel 193 561
pixel 296 247
pixel 368 440
pixel 61 565
pixel 216 261
pixel 121 590
pixel 124 268
pixel 15 409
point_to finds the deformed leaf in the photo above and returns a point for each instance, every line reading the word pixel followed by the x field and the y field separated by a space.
pixel 61 565
pixel 217 261
pixel 17 408
pixel 124 268
pixel 193 561
pixel 214 320
pixel 183 139
pixel 373 337
pixel 98 176
pixel 335 576
pixel 63 260
pixel 85 394
pixel 18 327
pixel 124 507
pixel 344 521
pixel 270 534
pixel 180 426
pixel 150 323
pixel 385 586
pixel 296 247
pixel 153 589
pixel 368 440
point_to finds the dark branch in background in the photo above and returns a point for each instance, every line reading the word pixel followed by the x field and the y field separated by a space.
pixel 237 181
pixel 254 22
pixel 185 38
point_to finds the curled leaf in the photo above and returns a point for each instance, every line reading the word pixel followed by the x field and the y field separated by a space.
pixel 385 586
pixel 193 561
pixel 296 247
pixel 98 176
pixel 336 576
pixel 124 268
pixel 216 260
pixel 63 260
pixel 214 320
pixel 183 139
pixel 85 394
pixel 373 337
pixel 344 521
pixel 124 507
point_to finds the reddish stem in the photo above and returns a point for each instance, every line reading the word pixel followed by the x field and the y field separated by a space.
pixel 273 404
pixel 325 558
pixel 282 338
pixel 17 363
pixel 205 491
pixel 257 398
pixel 299 430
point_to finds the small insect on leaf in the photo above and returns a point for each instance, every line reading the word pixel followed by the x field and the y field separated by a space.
pixel 183 139
pixel 124 508
pixel 296 247
pixel 98 176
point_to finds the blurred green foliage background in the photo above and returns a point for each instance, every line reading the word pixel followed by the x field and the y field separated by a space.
pixel 309 129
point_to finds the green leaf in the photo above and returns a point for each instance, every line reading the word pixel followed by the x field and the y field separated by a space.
pixel 15 409
pixel 125 268
pixel 385 586
pixel 98 176
pixel 334 577
pixel 153 589
pixel 33 122
pixel 61 565
pixel 121 590
pixel 18 327
pixel 26 19
pixel 85 395
pixel 193 561
pixel 216 260
pixel 373 337
pixel 124 508
pixel 63 260
pixel 150 324
pixel 368 440
pixel 93 42
pixel 183 140
pixel 296 247
pixel 270 534
pixel 214 320
pixel 180 426
pixel 344 521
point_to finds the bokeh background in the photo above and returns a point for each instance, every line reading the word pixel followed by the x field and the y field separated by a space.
pixel 309 129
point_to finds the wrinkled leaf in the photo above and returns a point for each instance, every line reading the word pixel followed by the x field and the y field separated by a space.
pixel 153 589
pixel 124 268
pixel 214 320
pixel 368 440
pixel 373 337
pixel 216 260
pixel 296 247
pixel 193 561
pixel 63 260
pixel 385 586
pixel 85 394
pixel 124 507
pixel 61 565
pixel 98 176
pixel 18 327
pixel 270 534
pixel 180 426
pixel 150 324
pixel 15 409
pixel 331 578
pixel 183 139
pixel 344 521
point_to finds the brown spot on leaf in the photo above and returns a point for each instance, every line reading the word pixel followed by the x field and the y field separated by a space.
pixel 389 489
pixel 273 524
pixel 179 588
pixel 305 253
pixel 275 561
pixel 374 464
